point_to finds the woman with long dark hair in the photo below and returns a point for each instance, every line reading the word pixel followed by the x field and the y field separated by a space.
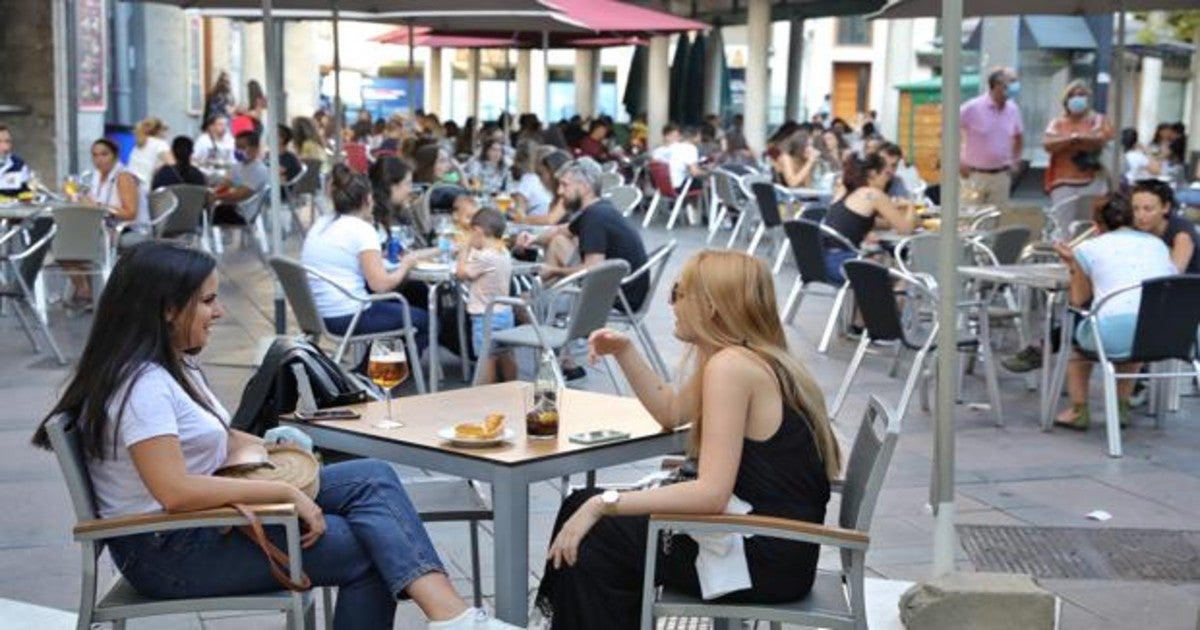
pixel 864 206
pixel 182 171
pixel 759 432
pixel 392 198
pixel 153 433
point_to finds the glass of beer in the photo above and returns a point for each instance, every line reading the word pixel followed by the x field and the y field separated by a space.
pixel 388 368
pixel 504 203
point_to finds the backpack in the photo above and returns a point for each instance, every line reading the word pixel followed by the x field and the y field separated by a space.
pixel 272 390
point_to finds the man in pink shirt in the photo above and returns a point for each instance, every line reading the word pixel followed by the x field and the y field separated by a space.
pixel 992 138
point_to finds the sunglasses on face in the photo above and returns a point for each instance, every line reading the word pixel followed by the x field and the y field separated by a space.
pixel 675 294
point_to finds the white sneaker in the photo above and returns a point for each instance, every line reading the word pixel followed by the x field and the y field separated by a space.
pixel 472 619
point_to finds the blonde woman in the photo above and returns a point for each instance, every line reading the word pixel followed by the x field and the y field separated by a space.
pixel 761 434
pixel 150 152
pixel 1074 142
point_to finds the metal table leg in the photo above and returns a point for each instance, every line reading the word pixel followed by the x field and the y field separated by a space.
pixel 510 505
pixel 433 336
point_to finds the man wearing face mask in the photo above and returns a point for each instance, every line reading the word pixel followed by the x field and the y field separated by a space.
pixel 992 138
pixel 14 174
pixel 248 177
pixel 1074 141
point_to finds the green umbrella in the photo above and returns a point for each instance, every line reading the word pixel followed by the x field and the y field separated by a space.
pixel 679 78
pixel 635 86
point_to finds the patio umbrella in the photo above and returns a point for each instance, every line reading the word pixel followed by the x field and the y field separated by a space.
pixel 635 88
pixel 693 85
pixel 951 13
pixel 678 78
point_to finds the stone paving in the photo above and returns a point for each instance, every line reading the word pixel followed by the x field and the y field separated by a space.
pixel 1011 475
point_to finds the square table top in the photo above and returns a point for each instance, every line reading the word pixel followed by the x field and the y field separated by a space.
pixel 424 415
pixel 1046 276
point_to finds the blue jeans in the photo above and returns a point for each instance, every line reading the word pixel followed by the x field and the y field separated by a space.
pixel 373 548
pixel 833 263
pixel 383 316
pixel 501 320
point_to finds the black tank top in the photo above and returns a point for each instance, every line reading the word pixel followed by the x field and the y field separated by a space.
pixel 783 475
pixel 848 223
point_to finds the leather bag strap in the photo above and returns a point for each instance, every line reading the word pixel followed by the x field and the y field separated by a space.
pixel 278 560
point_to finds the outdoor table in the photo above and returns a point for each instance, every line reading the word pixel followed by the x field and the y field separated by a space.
pixel 1053 280
pixel 20 211
pixel 509 467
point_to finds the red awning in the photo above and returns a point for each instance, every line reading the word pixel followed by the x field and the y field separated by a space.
pixel 611 16
pixel 423 36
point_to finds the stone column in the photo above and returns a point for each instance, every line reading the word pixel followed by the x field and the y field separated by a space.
pixel 433 83
pixel 795 69
pixel 524 81
pixel 658 78
pixel 473 83
pixel 587 65
pixel 898 68
pixel 758 31
pixel 1147 114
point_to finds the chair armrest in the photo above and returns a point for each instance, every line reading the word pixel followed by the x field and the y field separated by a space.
pixel 99 529
pixel 770 526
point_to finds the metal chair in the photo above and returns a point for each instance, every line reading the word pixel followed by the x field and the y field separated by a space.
pixel 250 210
pixel 1167 320
pixel 875 296
pixel 594 290
pixel 22 269
pixel 660 177
pixel 725 185
pixel 609 180
pixel 1068 213
pixel 771 221
pixel 292 193
pixel 625 199
pixel 837 598
pixel 190 219
pixel 122 602
pixel 163 203
pixel 83 241
pixel 656 266
pixel 805 238
pixel 296 278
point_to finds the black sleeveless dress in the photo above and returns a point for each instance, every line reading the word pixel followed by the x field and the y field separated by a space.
pixel 781 476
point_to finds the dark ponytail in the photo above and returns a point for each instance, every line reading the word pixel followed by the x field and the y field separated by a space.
pixel 857 170
pixel 348 189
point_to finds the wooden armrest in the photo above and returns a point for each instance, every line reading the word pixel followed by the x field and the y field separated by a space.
pixel 782 525
pixel 137 523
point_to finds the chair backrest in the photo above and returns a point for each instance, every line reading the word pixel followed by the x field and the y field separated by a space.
pixel 188 216
pixel 726 186
pixel 310 181
pixel 294 278
pixel 1167 321
pixel 624 198
pixel 813 213
pixel 918 254
pixel 1032 217
pixel 1071 210
pixel 804 237
pixel 875 298
pixel 656 266
pixel 597 293
pixel 768 203
pixel 660 176
pixel 356 157
pixel 64 439
pixel 610 180
pixel 81 235
pixel 290 185
pixel 39 233
pixel 252 206
pixel 1008 243
pixel 870 456
pixel 162 203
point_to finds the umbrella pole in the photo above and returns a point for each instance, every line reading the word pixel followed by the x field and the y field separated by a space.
pixel 507 118
pixel 942 492
pixel 274 106
pixel 1118 70
pixel 338 114
pixel 546 65
pixel 412 101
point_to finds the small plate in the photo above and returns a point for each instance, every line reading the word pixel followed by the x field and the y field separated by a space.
pixel 447 434
pixel 432 266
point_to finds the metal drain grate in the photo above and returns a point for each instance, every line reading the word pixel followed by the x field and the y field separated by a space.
pixel 1082 553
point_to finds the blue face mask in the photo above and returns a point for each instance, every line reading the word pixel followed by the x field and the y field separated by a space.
pixel 1013 89
pixel 1077 104
pixel 240 156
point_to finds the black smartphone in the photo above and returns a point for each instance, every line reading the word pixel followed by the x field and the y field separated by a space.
pixel 329 414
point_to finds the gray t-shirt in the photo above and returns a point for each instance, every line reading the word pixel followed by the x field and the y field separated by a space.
pixel 253 175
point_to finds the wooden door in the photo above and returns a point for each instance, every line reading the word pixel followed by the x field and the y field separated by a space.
pixel 851 83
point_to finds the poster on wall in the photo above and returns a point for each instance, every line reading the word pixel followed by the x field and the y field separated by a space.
pixel 90 54
pixel 195 57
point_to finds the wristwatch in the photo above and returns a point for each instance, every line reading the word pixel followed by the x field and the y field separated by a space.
pixel 609 500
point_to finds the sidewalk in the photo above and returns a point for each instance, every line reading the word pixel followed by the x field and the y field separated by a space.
pixel 1015 475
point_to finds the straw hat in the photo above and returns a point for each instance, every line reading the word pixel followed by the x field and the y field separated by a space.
pixel 289 464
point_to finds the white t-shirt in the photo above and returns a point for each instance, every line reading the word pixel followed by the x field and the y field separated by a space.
pixel 1118 259
pixel 207 149
pixel 679 156
pixel 332 247
pixel 145 160
pixel 1136 164
pixel 537 198
pixel 157 405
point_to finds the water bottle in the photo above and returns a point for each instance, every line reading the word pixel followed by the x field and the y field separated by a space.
pixel 445 247
pixel 394 246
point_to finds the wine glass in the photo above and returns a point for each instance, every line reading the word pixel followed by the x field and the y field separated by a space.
pixel 387 368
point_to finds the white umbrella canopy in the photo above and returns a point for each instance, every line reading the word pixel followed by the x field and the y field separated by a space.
pixel 933 8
